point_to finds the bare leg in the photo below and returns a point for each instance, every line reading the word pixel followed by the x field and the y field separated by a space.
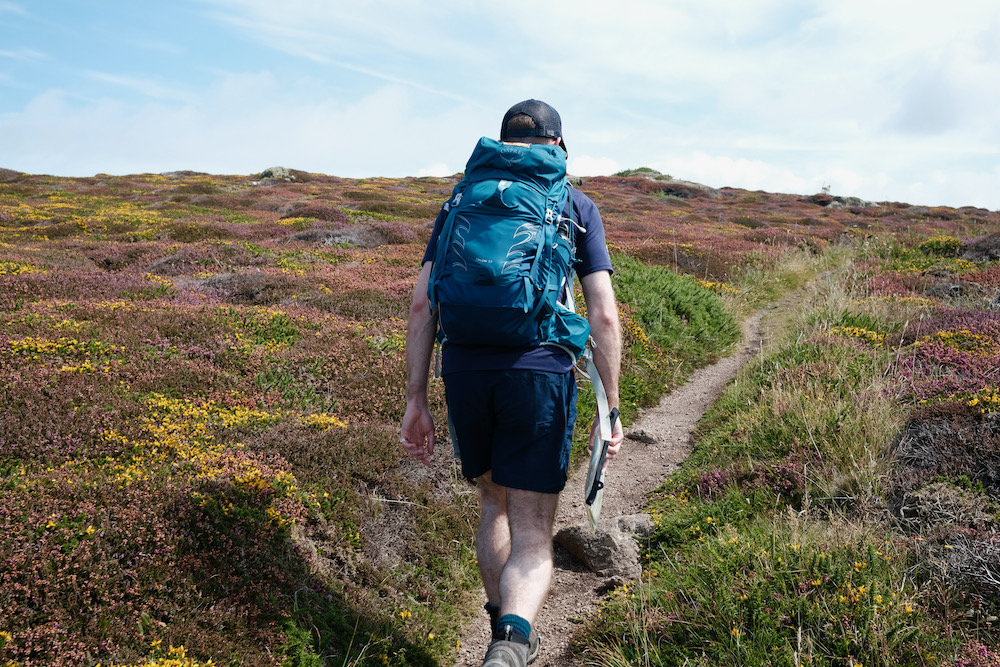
pixel 514 546
pixel 492 536
pixel 524 582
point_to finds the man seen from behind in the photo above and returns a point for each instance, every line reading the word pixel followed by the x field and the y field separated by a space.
pixel 512 411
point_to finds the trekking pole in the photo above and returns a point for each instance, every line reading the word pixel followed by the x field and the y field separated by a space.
pixel 593 492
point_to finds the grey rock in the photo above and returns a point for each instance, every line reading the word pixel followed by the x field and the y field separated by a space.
pixel 278 173
pixel 640 435
pixel 945 290
pixel 984 250
pixel 851 202
pixel 612 550
pixel 675 187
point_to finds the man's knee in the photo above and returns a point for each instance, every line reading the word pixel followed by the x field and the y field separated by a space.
pixel 492 496
pixel 531 515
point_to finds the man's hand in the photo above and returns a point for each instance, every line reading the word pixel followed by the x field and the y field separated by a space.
pixel 605 327
pixel 617 437
pixel 417 433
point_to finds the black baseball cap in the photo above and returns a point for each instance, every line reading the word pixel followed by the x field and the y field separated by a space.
pixel 547 122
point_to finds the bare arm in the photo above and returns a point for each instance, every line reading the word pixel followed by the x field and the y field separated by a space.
pixel 605 328
pixel 417 432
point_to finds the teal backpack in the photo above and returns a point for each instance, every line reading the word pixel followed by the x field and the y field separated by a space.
pixel 505 254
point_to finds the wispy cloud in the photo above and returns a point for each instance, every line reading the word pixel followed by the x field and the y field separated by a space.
pixel 774 94
pixel 12 8
pixel 147 87
pixel 157 46
pixel 323 34
pixel 23 54
pixel 420 29
pixel 243 125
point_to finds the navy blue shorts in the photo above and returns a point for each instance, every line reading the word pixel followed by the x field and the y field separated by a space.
pixel 516 423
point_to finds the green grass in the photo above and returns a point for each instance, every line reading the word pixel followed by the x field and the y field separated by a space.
pixel 773 544
pixel 764 591
pixel 182 466
pixel 672 325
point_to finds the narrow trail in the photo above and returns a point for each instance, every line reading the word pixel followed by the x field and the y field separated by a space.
pixel 664 434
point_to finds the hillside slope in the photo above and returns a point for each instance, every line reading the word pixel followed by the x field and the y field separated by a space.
pixel 203 383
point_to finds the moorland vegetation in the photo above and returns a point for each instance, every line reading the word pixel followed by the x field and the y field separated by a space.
pixel 202 381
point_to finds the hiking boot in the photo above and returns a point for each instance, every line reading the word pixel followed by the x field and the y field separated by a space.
pixel 506 653
pixel 533 641
pixel 532 646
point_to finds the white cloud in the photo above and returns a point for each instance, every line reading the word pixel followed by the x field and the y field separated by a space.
pixel 776 94
pixel 586 165
pixel 843 181
pixel 12 8
pixel 23 54
pixel 321 30
pixel 346 37
pixel 245 125
pixel 437 170
pixel 722 171
pixel 830 71
pixel 148 87
pixel 952 188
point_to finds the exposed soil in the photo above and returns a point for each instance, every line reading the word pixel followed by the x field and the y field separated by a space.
pixel 654 447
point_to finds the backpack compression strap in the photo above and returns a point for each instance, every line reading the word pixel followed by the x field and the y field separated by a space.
pixel 550 228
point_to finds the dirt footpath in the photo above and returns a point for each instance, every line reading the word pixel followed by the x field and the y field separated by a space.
pixel 641 466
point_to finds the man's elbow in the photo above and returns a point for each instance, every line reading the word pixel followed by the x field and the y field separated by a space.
pixel 420 306
pixel 420 303
pixel 605 317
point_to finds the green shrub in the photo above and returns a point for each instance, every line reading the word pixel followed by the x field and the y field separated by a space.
pixel 682 318
pixel 941 246
pixel 671 325
pixel 763 592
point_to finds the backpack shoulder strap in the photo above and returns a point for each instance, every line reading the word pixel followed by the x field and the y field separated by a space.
pixel 443 239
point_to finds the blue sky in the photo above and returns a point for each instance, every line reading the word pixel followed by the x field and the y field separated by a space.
pixel 888 100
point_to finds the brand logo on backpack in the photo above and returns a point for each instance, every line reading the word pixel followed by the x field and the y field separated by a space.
pixel 512 155
pixel 524 243
pixel 459 233
pixel 504 258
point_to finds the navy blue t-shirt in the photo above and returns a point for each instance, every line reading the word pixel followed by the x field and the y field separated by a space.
pixel 591 250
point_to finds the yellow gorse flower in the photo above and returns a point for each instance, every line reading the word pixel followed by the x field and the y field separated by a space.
pixel 961 341
pixel 986 399
pixel 17 269
pixel 866 335
pixel 176 657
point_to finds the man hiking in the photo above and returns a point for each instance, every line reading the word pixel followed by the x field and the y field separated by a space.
pixel 509 385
